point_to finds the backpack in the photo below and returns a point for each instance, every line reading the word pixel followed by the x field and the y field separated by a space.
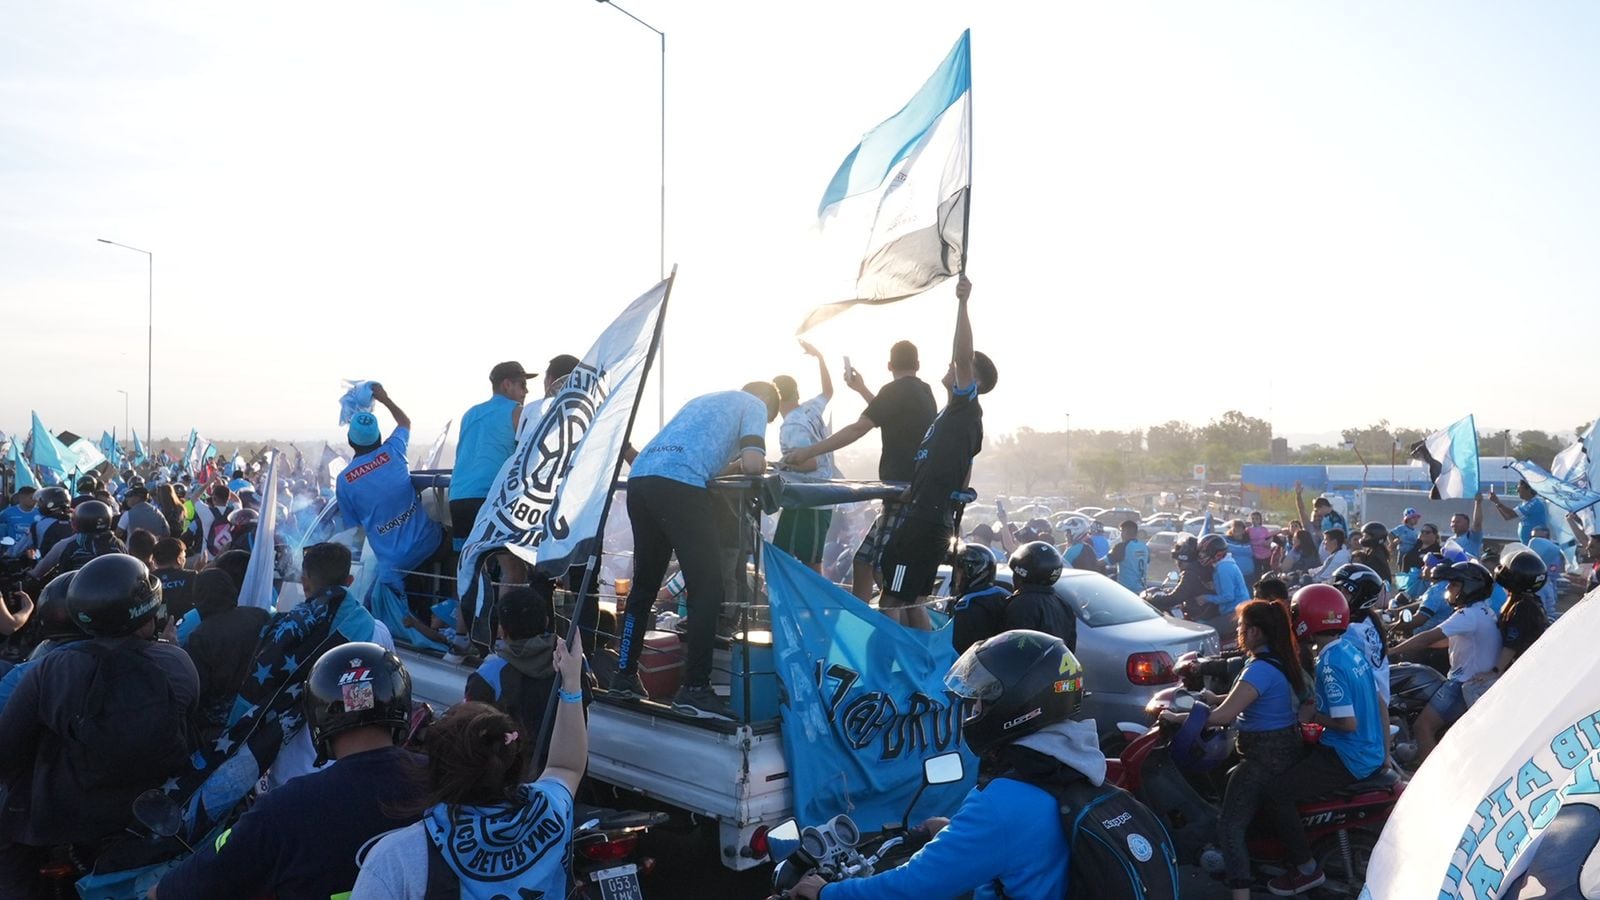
pixel 1117 848
pixel 87 547
pixel 129 704
pixel 219 536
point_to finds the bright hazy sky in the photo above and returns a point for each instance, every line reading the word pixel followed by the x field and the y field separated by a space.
pixel 1177 208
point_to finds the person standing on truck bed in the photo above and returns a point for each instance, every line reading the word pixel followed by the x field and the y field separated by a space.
pixel 903 409
pixel 671 509
pixel 803 532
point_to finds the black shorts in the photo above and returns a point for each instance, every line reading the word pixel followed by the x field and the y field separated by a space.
pixel 462 514
pixel 912 557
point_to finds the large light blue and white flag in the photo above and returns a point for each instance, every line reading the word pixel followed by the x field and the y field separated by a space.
pixel 51 459
pixel 1452 459
pixel 1579 464
pixel 545 504
pixel 430 460
pixel 1565 494
pixel 900 198
pixel 86 455
pixel 863 702
pixel 1508 806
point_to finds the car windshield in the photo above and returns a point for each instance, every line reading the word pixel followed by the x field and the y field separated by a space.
pixel 1100 601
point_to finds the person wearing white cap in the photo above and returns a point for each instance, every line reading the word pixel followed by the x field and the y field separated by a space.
pixel 1404 536
pixel 375 493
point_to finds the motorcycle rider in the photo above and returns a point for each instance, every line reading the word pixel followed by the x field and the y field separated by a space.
pixel 53 525
pixel 1191 594
pixel 1006 840
pixel 980 606
pixel 72 767
pixel 1263 702
pixel 1472 633
pixel 1523 574
pixel 1354 739
pixel 1077 548
pixel 1131 556
pixel 91 520
pixel 1034 605
pixel 1228 586
pixel 1365 591
pixel 1372 550
pixel 302 840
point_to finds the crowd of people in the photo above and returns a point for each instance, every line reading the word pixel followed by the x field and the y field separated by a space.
pixel 135 659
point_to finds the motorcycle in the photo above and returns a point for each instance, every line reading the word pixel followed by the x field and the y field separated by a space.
pixel 605 861
pixel 1343 827
pixel 1411 686
pixel 836 849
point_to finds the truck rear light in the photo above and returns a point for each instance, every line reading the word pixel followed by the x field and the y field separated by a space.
pixel 1151 667
pixel 759 848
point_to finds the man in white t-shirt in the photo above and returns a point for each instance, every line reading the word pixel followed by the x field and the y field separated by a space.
pixel 1472 633
pixel 803 533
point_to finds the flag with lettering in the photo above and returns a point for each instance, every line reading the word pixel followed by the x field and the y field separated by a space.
pixel 546 502
pixel 863 701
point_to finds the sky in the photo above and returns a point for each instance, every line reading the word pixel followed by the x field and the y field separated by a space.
pixel 1320 214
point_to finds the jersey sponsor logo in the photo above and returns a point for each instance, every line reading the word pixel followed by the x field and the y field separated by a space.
pixel 366 468
pixel 399 520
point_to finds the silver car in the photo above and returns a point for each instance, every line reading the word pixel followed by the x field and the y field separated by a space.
pixel 1126 646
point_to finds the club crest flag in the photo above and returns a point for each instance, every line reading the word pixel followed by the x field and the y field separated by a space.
pixel 1451 456
pixel 900 197
pixel 1508 806
pixel 545 504
pixel 863 701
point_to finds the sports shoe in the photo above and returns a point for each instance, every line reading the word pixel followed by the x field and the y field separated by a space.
pixel 1295 882
pixel 701 701
pixel 627 686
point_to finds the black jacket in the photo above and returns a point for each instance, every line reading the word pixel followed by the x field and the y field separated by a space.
pixel 45 803
pixel 223 647
pixel 1039 609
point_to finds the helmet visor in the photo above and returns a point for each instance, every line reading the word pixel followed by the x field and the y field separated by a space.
pixel 970 680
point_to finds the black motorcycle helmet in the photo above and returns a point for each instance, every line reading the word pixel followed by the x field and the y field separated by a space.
pixel 91 517
pixel 975 566
pixel 54 502
pixel 355 685
pixel 1523 572
pixel 135 481
pixel 52 613
pixel 1375 534
pixel 1017 682
pixel 243 519
pixel 88 484
pixel 1185 550
pixel 1361 585
pixel 1210 549
pixel 1476 582
pixel 113 595
pixel 1035 563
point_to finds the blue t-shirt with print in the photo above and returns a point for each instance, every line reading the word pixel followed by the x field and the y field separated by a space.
pixel 709 432
pixel 1345 689
pixel 14 521
pixel 1135 565
pixel 1274 709
pixel 1531 514
pixel 1407 536
pixel 375 492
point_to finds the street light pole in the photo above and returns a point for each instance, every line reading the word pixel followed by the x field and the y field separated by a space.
pixel 661 224
pixel 150 331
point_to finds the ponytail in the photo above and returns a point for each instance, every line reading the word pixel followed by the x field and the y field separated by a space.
pixel 1272 619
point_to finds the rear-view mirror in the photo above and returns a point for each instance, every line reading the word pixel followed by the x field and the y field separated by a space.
pixel 1183 702
pixel 788 830
pixel 946 768
pixel 157 812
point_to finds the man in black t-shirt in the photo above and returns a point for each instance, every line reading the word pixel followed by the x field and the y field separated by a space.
pixel 921 540
pixel 903 409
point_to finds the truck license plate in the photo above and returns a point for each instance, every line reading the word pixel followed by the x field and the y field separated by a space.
pixel 620 883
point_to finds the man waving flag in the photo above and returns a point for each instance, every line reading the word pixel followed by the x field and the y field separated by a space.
pixel 902 192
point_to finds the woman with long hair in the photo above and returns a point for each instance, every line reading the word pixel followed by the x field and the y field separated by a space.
pixel 1303 555
pixel 1263 703
pixel 166 502
pixel 484 832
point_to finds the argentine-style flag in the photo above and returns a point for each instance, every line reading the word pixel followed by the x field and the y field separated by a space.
pixel 1452 458
pixel 901 195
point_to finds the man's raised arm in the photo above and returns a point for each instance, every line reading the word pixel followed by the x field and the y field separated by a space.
pixel 961 353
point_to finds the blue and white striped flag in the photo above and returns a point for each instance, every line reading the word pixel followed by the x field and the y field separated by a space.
pixel 902 193
pixel 1452 459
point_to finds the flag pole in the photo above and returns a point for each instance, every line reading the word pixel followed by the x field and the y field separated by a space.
pixel 966 208
pixel 592 565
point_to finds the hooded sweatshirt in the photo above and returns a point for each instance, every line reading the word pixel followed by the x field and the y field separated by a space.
pixel 1006 833
pixel 518 679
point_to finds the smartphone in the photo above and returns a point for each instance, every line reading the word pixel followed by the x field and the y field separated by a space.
pixel 847 367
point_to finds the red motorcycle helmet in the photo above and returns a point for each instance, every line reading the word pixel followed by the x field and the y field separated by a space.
pixel 1319 609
